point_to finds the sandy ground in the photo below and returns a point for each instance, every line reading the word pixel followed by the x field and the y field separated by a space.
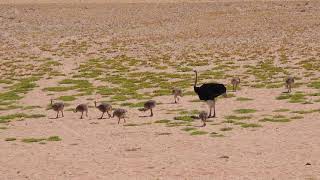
pixel 102 149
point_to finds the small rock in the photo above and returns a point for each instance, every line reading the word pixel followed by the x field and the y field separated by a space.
pixel 308 164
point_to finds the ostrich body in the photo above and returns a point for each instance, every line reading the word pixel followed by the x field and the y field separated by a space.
pixel 82 108
pixel 120 113
pixel 58 107
pixel 289 82
pixel 176 94
pixel 104 108
pixel 203 116
pixel 235 83
pixel 208 92
pixel 149 105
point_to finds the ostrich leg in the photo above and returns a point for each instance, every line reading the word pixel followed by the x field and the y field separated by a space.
pixel 109 114
pixel 81 115
pixel 214 108
pixel 210 111
pixel 211 105
pixel 290 88
pixel 101 116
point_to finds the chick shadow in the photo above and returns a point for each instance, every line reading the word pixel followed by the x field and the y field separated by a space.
pixel 285 92
pixel 94 122
pixel 197 118
pixel 145 116
pixel 55 117
pixel 103 118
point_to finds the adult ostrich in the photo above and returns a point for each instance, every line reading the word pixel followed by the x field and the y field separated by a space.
pixel 208 92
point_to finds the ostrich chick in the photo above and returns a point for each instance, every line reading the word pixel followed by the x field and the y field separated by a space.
pixel 104 108
pixel 235 83
pixel 149 105
pixel 120 113
pixel 203 116
pixel 289 83
pixel 82 108
pixel 177 93
pixel 58 107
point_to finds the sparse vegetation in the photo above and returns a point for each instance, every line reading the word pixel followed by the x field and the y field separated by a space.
pixel 162 121
pixel 250 125
pixel 226 129
pixel 233 117
pixel 276 118
pixel 10 139
pixel 54 138
pixel 281 110
pixel 8 118
pixel 184 118
pixel 32 140
pixel 245 111
pixel 243 99
pixel 67 98
pixel 188 129
pixel 198 133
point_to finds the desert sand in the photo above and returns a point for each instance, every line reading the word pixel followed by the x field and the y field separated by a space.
pixel 127 52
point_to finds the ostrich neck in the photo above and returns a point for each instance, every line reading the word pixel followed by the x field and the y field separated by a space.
pixel 196 80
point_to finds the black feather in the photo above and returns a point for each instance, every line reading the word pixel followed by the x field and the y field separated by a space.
pixel 210 91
